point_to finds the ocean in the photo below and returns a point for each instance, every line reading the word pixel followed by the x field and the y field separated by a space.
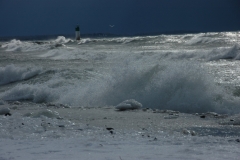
pixel 189 73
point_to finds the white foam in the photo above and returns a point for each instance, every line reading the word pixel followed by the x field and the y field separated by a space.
pixel 85 40
pixel 28 46
pixel 167 75
pixel 63 53
pixel 37 93
pixel 68 53
pixel 225 53
pixel 12 73
pixel 200 38
pixel 117 40
pixel 157 78
pixel 129 104
pixel 62 40
pixel 184 86
pixel 19 46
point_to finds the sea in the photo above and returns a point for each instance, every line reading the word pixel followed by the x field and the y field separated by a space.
pixel 189 73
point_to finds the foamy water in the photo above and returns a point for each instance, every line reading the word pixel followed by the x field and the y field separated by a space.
pixel 190 73
pixel 181 72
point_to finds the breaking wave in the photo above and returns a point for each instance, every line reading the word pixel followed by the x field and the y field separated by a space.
pixel 12 73
pixel 185 87
pixel 162 72
pixel 25 46
pixel 225 53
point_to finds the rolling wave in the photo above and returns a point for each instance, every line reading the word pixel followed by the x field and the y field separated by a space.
pixel 185 87
pixel 12 73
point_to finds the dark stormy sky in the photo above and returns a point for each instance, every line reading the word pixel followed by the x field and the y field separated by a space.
pixel 48 17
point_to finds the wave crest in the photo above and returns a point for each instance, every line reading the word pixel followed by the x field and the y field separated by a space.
pixel 225 53
pixel 12 73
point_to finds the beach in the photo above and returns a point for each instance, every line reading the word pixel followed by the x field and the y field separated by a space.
pixel 53 131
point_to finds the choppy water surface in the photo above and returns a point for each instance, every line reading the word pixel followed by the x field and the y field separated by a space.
pixel 61 95
pixel 189 73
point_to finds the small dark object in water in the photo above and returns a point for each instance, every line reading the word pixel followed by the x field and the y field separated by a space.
pixel 155 139
pixel 111 132
pixel 61 126
pixel 202 116
pixel 109 128
pixel 8 114
pixel 231 120
pixel 22 123
pixel 237 140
